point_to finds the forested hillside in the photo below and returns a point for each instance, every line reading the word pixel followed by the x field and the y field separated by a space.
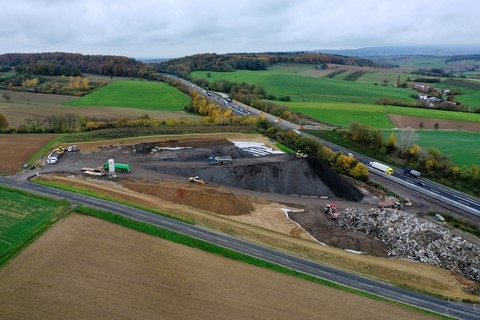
pixel 71 64
pixel 251 61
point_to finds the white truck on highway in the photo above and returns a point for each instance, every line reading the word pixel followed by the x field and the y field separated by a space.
pixel 382 167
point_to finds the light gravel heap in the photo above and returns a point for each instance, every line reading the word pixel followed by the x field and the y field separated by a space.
pixel 407 236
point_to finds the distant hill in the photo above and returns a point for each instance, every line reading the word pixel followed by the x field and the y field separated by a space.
pixel 405 51
pixel 252 61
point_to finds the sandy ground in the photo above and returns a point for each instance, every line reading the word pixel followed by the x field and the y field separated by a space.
pixel 88 268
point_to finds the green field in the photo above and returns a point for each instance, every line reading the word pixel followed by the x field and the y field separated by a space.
pixel 342 114
pixel 302 88
pixel 135 94
pixel 440 114
pixel 22 218
pixel 461 147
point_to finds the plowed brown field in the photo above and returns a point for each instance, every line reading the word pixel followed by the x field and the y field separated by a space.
pixel 85 268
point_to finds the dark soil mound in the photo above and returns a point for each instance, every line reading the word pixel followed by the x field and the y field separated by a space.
pixel 274 174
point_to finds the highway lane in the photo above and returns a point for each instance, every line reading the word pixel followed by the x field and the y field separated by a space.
pixel 455 309
pixel 455 198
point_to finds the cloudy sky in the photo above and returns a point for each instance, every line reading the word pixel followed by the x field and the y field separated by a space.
pixel 176 28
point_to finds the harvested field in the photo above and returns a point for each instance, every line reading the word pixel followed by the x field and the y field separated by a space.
pixel 16 150
pixel 88 268
pixel 428 123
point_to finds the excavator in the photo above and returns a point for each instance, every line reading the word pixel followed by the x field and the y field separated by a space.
pixel 331 210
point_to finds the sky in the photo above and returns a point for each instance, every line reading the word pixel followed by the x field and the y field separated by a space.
pixel 176 28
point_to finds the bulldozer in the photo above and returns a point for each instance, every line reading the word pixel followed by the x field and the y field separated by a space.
pixel 300 154
pixel 331 210
pixel 196 179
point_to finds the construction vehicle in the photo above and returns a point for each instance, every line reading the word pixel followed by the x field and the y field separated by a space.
pixel 98 172
pixel 300 154
pixel 396 205
pixel 156 149
pixel 411 173
pixel 219 160
pixel 119 167
pixel 382 167
pixel 331 210
pixel 196 179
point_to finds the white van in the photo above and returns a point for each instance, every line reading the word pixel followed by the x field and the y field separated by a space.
pixel 51 160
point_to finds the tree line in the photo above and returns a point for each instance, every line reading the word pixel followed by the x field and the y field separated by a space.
pixel 71 64
pixel 250 61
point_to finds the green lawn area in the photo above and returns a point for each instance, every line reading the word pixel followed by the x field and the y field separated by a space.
pixel 135 94
pixel 23 217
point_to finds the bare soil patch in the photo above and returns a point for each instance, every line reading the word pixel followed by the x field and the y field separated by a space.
pixel 428 123
pixel 88 268
pixel 16 150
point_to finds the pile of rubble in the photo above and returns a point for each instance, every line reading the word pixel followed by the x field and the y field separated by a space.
pixel 407 236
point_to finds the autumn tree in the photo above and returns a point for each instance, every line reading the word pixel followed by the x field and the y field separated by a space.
pixel 3 122
pixel 392 141
pixel 406 139
pixel 359 172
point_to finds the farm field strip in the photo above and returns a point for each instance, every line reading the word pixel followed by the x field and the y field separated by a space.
pixel 135 94
pixel 440 114
pixel 23 216
pixel 342 114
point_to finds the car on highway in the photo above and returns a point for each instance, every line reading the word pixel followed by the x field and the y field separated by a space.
pixel 421 183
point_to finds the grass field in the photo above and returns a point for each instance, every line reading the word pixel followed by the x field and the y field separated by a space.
pixel 22 218
pixel 311 89
pixel 342 114
pixel 460 147
pixel 135 94
pixel 437 114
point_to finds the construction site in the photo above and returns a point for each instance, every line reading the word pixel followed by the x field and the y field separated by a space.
pixel 181 171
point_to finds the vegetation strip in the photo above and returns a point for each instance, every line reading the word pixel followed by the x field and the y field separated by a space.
pixel 99 196
pixel 215 249
pixel 20 226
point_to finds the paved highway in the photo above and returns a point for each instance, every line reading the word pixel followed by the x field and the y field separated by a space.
pixel 454 309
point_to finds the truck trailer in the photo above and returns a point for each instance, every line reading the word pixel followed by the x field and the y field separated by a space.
pixel 411 173
pixel 382 167
pixel 219 160
pixel 119 167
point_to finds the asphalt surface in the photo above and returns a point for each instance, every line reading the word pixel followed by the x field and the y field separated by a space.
pixel 454 309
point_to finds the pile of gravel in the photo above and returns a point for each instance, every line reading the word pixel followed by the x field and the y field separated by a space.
pixel 407 236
